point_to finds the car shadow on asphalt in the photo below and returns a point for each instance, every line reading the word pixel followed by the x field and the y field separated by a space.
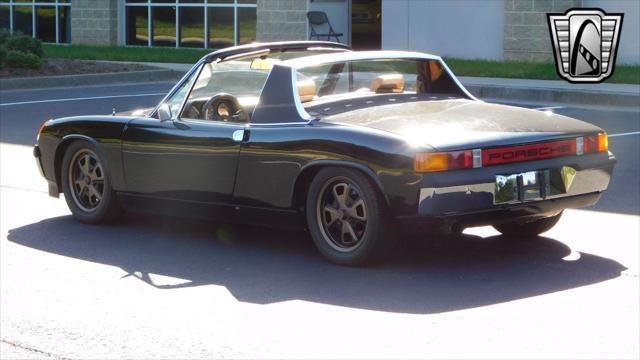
pixel 263 266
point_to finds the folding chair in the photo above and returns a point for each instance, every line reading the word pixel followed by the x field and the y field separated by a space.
pixel 318 19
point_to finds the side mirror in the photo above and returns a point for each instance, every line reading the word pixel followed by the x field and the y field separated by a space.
pixel 164 112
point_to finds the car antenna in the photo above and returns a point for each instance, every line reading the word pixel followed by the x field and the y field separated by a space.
pixel 113 113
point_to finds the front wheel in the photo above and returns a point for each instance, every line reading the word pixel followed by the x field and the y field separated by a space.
pixel 348 217
pixel 86 186
pixel 528 229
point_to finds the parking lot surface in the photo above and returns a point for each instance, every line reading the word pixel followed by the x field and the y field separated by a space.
pixel 153 287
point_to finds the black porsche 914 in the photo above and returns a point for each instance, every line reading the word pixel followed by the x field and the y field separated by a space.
pixel 353 146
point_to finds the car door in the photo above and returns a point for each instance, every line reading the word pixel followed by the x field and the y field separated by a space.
pixel 181 158
pixel 186 160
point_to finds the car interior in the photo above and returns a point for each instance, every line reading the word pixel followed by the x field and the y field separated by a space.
pixel 229 91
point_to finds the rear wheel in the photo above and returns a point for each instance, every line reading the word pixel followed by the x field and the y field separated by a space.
pixel 528 229
pixel 348 218
pixel 86 185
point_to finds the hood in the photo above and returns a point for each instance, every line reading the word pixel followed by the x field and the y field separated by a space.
pixel 465 124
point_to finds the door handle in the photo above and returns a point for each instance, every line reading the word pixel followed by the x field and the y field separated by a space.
pixel 240 135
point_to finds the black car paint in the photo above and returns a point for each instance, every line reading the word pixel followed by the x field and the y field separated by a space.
pixel 461 124
pixel 197 161
pixel 195 168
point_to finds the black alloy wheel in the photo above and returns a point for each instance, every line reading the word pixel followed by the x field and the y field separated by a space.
pixel 347 217
pixel 85 184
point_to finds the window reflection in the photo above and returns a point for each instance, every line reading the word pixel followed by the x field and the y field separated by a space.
pixel 137 26
pixel 64 24
pixel 192 27
pixel 247 25
pixel 22 19
pixel 213 24
pixel 46 23
pixel 49 16
pixel 4 17
pixel 220 28
pixel 164 26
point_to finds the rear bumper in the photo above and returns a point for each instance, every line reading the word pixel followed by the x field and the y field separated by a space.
pixel 469 197
pixel 461 199
pixel 525 211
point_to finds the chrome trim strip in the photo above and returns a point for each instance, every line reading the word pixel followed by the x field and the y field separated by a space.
pixel 176 87
pixel 296 96
pixel 477 158
pixel 481 196
pixel 580 145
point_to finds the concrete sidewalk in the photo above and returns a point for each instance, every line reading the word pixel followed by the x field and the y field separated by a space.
pixel 554 91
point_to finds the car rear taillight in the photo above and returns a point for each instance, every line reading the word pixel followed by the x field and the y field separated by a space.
pixel 443 161
pixel 596 143
pixel 467 159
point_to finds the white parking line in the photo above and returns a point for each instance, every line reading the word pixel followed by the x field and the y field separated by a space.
pixel 549 108
pixel 625 134
pixel 81 98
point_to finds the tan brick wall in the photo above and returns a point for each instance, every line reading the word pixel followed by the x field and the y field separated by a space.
pixel 526 33
pixel 280 20
pixel 94 22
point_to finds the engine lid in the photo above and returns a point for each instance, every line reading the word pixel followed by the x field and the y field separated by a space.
pixel 464 124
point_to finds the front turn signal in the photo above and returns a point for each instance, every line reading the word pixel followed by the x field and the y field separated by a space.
pixel 41 129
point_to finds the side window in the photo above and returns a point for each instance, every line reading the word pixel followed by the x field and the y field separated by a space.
pixel 226 92
pixel 175 102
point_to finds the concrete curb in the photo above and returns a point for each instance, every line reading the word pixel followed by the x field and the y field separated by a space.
pixel 44 82
pixel 560 96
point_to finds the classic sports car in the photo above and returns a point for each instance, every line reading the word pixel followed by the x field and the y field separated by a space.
pixel 354 146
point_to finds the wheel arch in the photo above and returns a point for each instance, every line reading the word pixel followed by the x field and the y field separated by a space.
pixel 62 147
pixel 308 172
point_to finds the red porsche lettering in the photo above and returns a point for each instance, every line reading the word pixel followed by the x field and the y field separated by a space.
pixel 528 152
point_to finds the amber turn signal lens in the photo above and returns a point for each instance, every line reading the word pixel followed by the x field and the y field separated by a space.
pixel 41 129
pixel 603 142
pixel 596 143
pixel 430 162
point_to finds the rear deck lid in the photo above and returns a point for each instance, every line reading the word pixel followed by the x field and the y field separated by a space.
pixel 458 124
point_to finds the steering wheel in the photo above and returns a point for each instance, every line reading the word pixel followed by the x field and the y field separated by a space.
pixel 224 107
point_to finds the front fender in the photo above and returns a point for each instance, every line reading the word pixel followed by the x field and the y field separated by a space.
pixel 104 132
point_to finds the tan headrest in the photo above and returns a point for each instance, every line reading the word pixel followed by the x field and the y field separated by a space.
pixel 306 89
pixel 388 83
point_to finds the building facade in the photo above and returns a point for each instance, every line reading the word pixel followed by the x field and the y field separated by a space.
pixel 472 29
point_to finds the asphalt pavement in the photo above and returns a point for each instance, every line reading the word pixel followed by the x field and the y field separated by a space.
pixel 152 287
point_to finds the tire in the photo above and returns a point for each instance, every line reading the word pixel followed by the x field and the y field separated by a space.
pixel 348 218
pixel 528 229
pixel 86 185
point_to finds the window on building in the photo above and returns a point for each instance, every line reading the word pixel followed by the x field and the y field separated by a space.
pixel 137 25
pixel 164 25
pixel 47 20
pixel 190 23
pixel 221 29
pixel 192 27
